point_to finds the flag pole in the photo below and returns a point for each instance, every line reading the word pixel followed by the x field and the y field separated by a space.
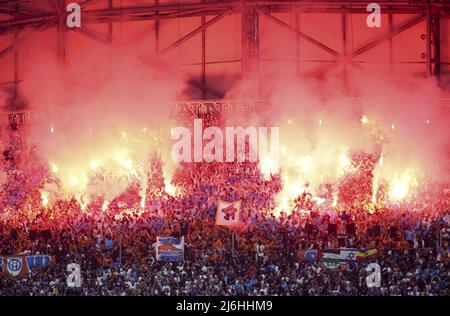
pixel 120 248
pixel 232 244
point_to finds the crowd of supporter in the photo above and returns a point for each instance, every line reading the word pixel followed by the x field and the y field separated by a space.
pixel 115 246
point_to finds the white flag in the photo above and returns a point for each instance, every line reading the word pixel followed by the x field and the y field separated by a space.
pixel 228 213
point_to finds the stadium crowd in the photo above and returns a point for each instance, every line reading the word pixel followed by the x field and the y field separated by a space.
pixel 262 257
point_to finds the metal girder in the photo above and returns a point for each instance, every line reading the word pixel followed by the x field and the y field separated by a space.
pixel 204 25
pixel 61 33
pixel 30 23
pixel 11 47
pixel 110 26
pixel 322 70
pixel 301 34
pixel 205 89
pixel 339 56
pixel 93 34
pixel 16 41
pixel 397 30
pixel 157 25
pixel 186 37
pixel 433 40
pixel 250 48
pixel 171 10
pixel 9 83
pixel 18 14
pixel 86 3
pixel 429 26
pixel 30 18
pixel 436 33
pixel 7 50
pixel 250 40
pixel 203 56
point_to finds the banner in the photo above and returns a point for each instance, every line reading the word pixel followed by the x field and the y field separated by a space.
pixel 332 259
pixel 341 230
pixel 228 213
pixel 23 265
pixel 307 255
pixel 214 107
pixel 366 254
pixel 169 248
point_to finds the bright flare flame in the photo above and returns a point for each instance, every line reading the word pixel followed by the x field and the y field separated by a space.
pixel 82 201
pixel 400 188
pixel 374 190
pixel 105 205
pixel 127 163
pixel 364 119
pixel 344 164
pixel 306 163
pixel 170 188
pixel 268 166
pixel 94 164
pixel 318 200
pixel 285 197
pixel 44 197
pixel 143 201
pixel 344 161
pixel 54 168
pixel 335 200
pixel 74 181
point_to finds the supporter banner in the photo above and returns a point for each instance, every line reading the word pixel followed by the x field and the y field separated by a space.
pixel 228 213
pixel 169 248
pixel 307 255
pixel 332 259
pixel 212 107
pixel 366 254
pixel 341 230
pixel 23 265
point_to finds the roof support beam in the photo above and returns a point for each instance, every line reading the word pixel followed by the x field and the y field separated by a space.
pixel 397 30
pixel 186 37
pixel 145 12
pixel 93 34
pixel 301 34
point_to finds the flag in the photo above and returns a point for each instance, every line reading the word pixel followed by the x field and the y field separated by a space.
pixel 169 248
pixel 23 265
pixel 14 265
pixel 228 213
pixel 311 255
pixel 349 254
pixel 109 244
pixel 308 255
pixel 366 254
pixel 38 262
pixel 332 259
pixel 341 230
